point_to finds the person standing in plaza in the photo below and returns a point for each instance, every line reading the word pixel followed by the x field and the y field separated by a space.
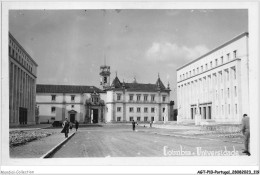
pixel 246 133
pixel 65 126
pixel 133 124
pixel 76 125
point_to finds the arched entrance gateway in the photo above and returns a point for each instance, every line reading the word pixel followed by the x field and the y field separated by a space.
pixel 72 116
pixel 95 109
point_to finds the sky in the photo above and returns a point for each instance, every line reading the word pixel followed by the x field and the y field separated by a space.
pixel 69 46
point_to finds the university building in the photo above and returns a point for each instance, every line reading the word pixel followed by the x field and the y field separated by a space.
pixel 215 85
pixel 22 84
pixel 115 102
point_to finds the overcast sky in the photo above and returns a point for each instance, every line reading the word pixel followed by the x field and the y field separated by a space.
pixel 70 45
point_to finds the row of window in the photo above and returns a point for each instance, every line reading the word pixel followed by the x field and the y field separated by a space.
pixel 228 110
pixel 138 109
pixel 137 119
pixel 21 58
pixel 205 67
pixel 228 92
pixel 138 97
pixel 220 76
pixel 53 97
pixel 53 109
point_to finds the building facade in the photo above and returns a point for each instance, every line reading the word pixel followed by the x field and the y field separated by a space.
pixel 137 101
pixel 216 84
pixel 116 102
pixel 22 84
pixel 81 103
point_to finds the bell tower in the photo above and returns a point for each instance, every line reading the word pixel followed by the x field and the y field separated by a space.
pixel 104 76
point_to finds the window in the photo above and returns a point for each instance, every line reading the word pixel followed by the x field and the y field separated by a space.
pixel 222 93
pixel 131 97
pixel 235 91
pixel 234 73
pixel 222 109
pixel 138 97
pixel 206 66
pixel 118 119
pixel 145 119
pixel 234 54
pixel 53 109
pixel 201 68
pixel 152 110
pixel 228 57
pixel 138 109
pixel 145 109
pixel 72 106
pixel 72 97
pixel 193 71
pixel 164 98
pixel 118 109
pixel 227 75
pixel 228 92
pixel 138 118
pixel 152 98
pixel 236 108
pixel 211 64
pixel 118 97
pixel 197 70
pixel 145 97
pixel 53 97
pixel 228 108
pixel 222 60
pixel 52 118
pixel 163 109
pixel 216 60
pixel 152 118
pixel 131 118
pixel 131 109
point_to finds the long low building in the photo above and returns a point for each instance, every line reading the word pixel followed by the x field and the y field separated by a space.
pixel 215 85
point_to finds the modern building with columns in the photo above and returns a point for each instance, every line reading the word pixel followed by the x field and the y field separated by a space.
pixel 22 84
pixel 215 85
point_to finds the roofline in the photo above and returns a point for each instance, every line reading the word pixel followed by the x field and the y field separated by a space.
pixel 10 35
pixel 217 48
pixel 101 91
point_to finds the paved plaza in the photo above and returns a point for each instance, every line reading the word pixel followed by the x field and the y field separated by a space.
pixel 120 140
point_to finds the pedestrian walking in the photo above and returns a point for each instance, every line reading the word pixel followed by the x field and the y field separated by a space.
pixel 246 133
pixel 133 124
pixel 65 128
pixel 71 126
pixel 151 123
pixel 76 125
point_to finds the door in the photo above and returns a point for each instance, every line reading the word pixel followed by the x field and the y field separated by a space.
pixel 72 118
pixel 95 115
pixel 22 115
pixel 209 112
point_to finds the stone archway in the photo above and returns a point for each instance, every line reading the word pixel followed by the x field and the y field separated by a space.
pixel 72 115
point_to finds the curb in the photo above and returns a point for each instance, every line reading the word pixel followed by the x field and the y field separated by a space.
pixel 55 149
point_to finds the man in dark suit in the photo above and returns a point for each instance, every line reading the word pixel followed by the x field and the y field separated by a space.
pixel 246 133
pixel 133 123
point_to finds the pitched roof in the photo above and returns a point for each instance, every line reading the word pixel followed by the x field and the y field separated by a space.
pixel 44 88
pixel 138 87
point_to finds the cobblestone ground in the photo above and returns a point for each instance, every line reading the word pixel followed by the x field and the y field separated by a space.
pixel 121 141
